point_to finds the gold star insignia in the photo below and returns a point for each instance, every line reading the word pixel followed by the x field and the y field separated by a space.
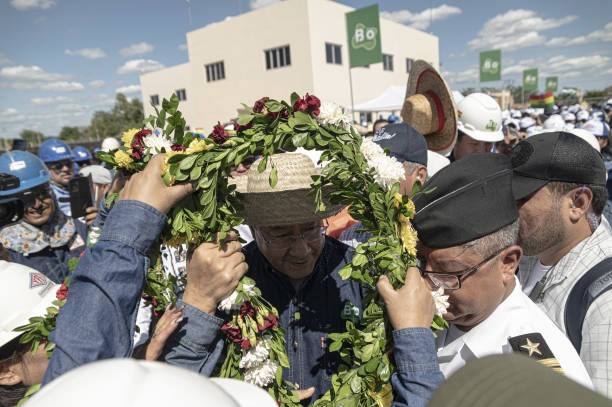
pixel 532 347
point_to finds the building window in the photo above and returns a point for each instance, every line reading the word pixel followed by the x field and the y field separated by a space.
pixel 278 57
pixel 180 93
pixel 215 71
pixel 409 62
pixel 387 62
pixel 333 54
pixel 155 100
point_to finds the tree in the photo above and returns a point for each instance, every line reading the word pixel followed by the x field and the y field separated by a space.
pixel 124 115
pixel 69 133
pixel 32 137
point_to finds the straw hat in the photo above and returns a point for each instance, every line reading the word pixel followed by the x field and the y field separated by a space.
pixel 429 108
pixel 288 203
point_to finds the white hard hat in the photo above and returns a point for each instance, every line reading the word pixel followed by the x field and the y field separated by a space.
pixel 554 122
pixel 480 117
pixel 458 96
pixel 597 128
pixel 569 126
pixel 140 383
pixel 435 162
pixel 516 114
pixel 582 115
pixel 110 144
pixel 527 122
pixel 533 130
pixel 505 114
pixel 24 293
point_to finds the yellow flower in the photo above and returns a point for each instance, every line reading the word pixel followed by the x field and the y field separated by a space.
pixel 166 166
pixel 409 205
pixel 409 238
pixel 128 136
pixel 198 145
pixel 123 159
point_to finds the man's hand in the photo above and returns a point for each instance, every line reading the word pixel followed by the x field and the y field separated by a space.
pixel 165 326
pixel 305 394
pixel 213 273
pixel 147 186
pixel 412 305
pixel 91 214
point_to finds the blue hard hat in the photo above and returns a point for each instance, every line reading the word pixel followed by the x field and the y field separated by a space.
pixel 30 170
pixel 80 153
pixel 54 150
pixel 393 118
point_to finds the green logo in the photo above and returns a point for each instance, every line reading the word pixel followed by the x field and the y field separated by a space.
pixel 364 37
pixel 350 312
pixel 490 66
pixel 491 126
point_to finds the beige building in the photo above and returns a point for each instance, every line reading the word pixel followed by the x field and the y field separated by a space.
pixel 294 45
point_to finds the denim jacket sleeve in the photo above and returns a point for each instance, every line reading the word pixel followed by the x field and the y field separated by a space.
pixel 197 344
pixel 418 374
pixel 98 319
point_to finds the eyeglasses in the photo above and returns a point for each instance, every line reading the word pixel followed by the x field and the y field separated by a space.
pixel 453 281
pixel 58 165
pixel 313 235
pixel 41 193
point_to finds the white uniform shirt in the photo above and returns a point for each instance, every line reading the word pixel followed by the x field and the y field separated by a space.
pixel 516 315
pixel 596 349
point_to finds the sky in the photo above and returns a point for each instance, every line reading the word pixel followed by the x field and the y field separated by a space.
pixel 62 60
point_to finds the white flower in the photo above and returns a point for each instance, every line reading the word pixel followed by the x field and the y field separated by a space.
pixel 229 304
pixel 262 375
pixel 440 300
pixel 387 170
pixel 249 288
pixel 155 143
pixel 331 113
pixel 370 149
pixel 255 356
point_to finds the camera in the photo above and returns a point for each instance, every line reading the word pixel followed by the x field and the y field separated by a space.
pixel 11 207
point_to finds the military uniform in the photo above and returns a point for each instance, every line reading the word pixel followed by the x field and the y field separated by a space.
pixel 516 325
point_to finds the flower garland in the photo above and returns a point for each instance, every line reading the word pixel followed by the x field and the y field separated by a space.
pixel 362 175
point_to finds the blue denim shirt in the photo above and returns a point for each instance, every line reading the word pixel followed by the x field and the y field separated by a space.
pixel 98 319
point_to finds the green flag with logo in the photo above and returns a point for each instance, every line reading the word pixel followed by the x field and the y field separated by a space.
pixel 530 79
pixel 552 82
pixel 363 29
pixel 490 66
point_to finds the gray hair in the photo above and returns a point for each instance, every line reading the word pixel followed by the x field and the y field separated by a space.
pixel 496 241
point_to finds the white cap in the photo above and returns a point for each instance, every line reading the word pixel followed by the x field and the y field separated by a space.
pixel 99 174
pixel 554 122
pixel 527 122
pixel 479 116
pixel 140 383
pixel 533 130
pixel 24 293
pixel 435 162
pixel 582 115
pixel 586 136
pixel 505 114
pixel 574 109
pixel 516 114
pixel 597 128
pixel 513 122
pixel 569 126
pixel 110 144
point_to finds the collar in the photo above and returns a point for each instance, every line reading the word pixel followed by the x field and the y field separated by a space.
pixel 27 239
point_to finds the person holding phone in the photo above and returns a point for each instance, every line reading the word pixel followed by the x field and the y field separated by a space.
pixel 45 239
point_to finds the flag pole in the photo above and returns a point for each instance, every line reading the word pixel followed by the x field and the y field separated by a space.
pixel 351 88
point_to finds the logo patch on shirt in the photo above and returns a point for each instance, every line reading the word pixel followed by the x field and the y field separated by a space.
pixel 78 242
pixel 37 279
pixel 350 312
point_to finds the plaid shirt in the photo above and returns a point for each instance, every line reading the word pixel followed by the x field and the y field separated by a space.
pixel 596 351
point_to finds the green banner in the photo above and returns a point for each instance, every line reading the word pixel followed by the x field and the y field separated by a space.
pixel 552 82
pixel 530 79
pixel 490 66
pixel 363 29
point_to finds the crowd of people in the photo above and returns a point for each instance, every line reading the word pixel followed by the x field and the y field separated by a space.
pixel 515 228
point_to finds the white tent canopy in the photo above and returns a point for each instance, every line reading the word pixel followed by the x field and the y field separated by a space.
pixel 391 99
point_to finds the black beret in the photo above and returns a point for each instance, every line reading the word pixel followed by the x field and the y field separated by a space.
pixel 471 198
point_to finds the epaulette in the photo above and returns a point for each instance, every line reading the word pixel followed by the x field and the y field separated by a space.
pixel 534 346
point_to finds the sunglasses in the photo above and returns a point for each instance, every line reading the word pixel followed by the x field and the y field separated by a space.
pixel 41 193
pixel 59 165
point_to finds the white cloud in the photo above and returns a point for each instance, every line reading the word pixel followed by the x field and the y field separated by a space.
pixel 423 19
pixel 62 86
pixel 261 3
pixel 96 84
pixel 136 49
pixel 89 53
pixel 50 100
pixel 560 65
pixel 72 108
pixel 470 74
pixel 9 112
pixel 28 4
pixel 128 89
pixel 4 60
pixel 11 115
pixel 604 35
pixel 515 29
pixel 182 47
pixel 139 66
pixel 28 73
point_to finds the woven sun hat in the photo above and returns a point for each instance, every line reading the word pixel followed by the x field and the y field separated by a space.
pixel 289 202
pixel 429 108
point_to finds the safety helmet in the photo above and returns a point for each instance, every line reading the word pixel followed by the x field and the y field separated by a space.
pixel 582 115
pixel 608 105
pixel 110 144
pixel 140 383
pixel 567 116
pixel 554 122
pixel 597 128
pixel 30 170
pixel 586 136
pixel 480 117
pixel 533 130
pixel 54 150
pixel 24 293
pixel 80 154
pixel 457 96
pixel 527 122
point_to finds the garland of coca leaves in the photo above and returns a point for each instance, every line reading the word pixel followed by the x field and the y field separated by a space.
pixel 255 349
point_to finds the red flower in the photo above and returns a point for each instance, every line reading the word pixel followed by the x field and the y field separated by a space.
pixel 270 321
pixel 62 292
pixel 154 301
pixel 299 105
pixel 247 309
pixel 219 135
pixel 137 144
pixel 239 127
pixel 313 103
pixel 232 332
pixel 259 105
pixel 245 344
pixel 284 114
pixel 178 147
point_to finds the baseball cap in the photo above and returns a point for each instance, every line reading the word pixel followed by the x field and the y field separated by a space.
pixel 403 142
pixel 597 128
pixel 555 156
pixel 527 122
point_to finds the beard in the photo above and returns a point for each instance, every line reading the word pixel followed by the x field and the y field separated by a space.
pixel 545 234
